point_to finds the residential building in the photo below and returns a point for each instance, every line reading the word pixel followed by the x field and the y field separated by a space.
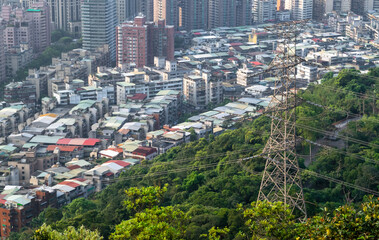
pixel 18 57
pixel 102 175
pixel 300 9
pixel 99 21
pixel 321 7
pixel 20 207
pixel 39 178
pixel 193 14
pixel 146 7
pixel 132 43
pixel 24 92
pixel 229 13
pixel 361 7
pixel 264 10
pixel 280 5
pixel 2 57
pixel 9 176
pixel 150 89
pixel 143 153
pixel 201 89
pixel 139 42
pixel 243 13
pixel 39 78
pixel 307 72
pixel 166 10
pixel 126 9
pixel 246 76
pixel 39 16
pixel 11 117
pixel 66 15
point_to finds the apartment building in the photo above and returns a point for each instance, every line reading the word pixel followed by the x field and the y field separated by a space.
pixel 138 42
pixel 99 21
pixel 202 88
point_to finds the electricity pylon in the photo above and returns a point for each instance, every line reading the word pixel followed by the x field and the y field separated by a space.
pixel 281 179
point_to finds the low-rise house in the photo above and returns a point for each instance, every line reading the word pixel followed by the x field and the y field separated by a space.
pixel 101 175
pixel 18 207
pixel 39 178
pixel 9 176
pixel 145 153
pixel 88 144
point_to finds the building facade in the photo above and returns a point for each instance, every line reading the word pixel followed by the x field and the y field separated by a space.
pixel 126 9
pixel 193 14
pixel 300 9
pixel 139 42
pixel 201 89
pixel 66 15
pixel 229 13
pixel 264 10
pixel 99 21
pixel 2 57
pixel 167 10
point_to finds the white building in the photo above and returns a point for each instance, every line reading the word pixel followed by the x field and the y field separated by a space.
pixel 264 10
pixel 257 91
pixel 151 89
pixel 307 72
pixel 201 89
pixel 300 9
pixel 246 76
pixel 66 97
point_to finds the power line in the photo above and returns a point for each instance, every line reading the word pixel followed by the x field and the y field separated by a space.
pixel 360 95
pixel 363 189
pixel 342 151
pixel 183 160
pixel 199 167
pixel 331 134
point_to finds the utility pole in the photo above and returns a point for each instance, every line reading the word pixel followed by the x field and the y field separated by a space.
pixel 281 179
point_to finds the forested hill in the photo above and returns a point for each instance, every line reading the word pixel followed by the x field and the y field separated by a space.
pixel 200 191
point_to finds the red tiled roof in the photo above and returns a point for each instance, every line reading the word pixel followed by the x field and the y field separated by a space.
pixel 64 141
pixel 124 131
pixel 79 179
pixel 78 141
pixel 144 151
pixel 138 96
pixel 119 162
pixel 236 44
pixel 51 148
pixel 3 201
pixel 72 167
pixel 119 150
pixel 108 174
pixel 71 184
pixel 262 33
pixel 256 63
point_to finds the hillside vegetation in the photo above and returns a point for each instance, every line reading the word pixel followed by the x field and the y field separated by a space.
pixel 198 191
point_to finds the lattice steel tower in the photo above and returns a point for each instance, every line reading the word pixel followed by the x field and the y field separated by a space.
pixel 281 179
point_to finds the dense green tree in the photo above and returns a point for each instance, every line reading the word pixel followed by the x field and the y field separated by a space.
pixel 139 199
pixel 157 223
pixel 345 222
pixel 77 207
pixel 47 233
pixel 267 220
